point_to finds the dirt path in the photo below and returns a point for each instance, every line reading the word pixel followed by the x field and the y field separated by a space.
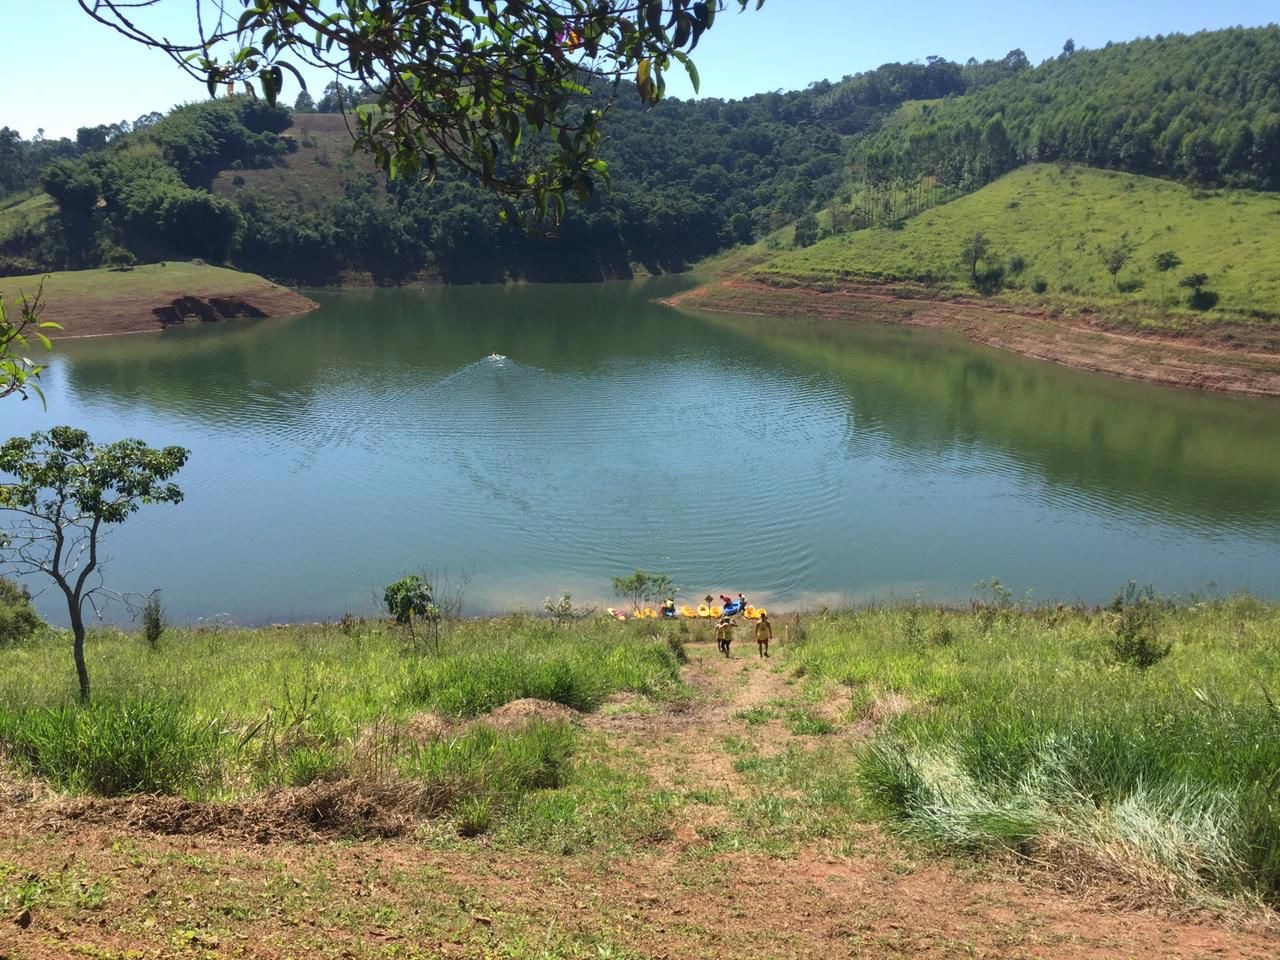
pixel 703 891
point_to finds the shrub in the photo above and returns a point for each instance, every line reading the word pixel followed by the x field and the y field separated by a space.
pixel 676 646
pixel 18 620
pixel 115 747
pixel 407 598
pixel 1137 631
pixel 118 258
pixel 562 610
pixel 1039 285
pixel 1017 263
pixel 153 619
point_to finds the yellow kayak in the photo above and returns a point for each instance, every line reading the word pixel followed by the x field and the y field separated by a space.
pixel 717 612
pixel 688 611
pixel 755 613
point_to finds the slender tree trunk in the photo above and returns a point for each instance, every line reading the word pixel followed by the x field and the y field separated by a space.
pixel 82 671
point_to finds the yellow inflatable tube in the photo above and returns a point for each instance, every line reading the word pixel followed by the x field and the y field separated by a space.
pixel 688 611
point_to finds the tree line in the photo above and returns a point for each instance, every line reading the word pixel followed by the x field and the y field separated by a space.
pixel 1203 109
pixel 687 178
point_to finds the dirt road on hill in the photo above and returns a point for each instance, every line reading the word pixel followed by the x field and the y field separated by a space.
pixel 699 890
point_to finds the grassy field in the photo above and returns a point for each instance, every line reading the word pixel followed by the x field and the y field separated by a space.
pixel 336 791
pixel 1041 732
pixel 1054 228
pixel 214 714
pixel 150 281
pixel 996 727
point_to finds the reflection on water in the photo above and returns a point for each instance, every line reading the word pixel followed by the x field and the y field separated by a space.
pixel 537 439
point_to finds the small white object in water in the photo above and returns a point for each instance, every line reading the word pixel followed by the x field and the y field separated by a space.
pixel 496 356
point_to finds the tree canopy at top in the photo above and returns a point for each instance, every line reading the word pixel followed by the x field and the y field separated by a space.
pixel 462 79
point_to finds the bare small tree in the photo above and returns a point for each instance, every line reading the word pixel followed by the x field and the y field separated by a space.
pixel 65 491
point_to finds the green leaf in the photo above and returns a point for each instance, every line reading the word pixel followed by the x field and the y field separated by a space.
pixel 294 70
pixel 689 69
pixel 683 28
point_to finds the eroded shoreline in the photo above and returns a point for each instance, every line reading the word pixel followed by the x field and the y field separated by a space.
pixel 1187 361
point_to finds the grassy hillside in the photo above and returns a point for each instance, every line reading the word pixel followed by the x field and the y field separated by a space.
pixel 1055 227
pixel 313 174
pixel 15 210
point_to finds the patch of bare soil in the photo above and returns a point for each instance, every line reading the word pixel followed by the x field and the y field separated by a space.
pixel 1229 358
pixel 343 808
pixel 520 713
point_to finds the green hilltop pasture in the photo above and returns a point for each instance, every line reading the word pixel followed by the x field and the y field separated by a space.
pixel 1064 223
pixel 16 210
pixel 146 281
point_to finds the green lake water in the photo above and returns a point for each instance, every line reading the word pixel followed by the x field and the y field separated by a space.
pixel 804 463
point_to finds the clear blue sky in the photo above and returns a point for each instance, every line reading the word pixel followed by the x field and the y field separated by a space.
pixel 62 71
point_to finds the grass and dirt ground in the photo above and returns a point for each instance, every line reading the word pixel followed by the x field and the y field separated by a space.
pixel 90 303
pixel 714 815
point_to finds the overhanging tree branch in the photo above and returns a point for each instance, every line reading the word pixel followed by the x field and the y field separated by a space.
pixel 466 80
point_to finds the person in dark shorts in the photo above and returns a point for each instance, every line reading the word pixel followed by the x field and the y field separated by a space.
pixel 764 633
pixel 724 634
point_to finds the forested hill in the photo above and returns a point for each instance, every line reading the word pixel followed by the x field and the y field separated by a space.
pixel 233 181
pixel 1203 109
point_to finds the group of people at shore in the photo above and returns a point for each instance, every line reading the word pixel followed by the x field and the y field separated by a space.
pixel 727 622
pixel 724 634
pixel 729 608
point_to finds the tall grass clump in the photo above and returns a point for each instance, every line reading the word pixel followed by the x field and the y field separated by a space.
pixel 547 662
pixel 115 747
pixel 482 773
pixel 1030 734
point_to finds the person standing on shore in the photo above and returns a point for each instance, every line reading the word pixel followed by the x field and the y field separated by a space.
pixel 764 633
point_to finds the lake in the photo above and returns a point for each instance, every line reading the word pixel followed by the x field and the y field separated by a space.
pixel 804 463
